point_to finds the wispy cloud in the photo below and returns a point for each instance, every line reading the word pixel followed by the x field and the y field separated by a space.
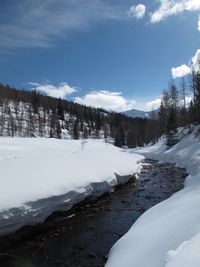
pixel 60 91
pixel 37 23
pixel 173 7
pixel 137 12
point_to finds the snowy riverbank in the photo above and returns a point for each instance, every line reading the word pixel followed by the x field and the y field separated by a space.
pixel 167 235
pixel 39 176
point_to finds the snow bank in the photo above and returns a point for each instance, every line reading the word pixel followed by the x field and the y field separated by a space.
pixel 186 255
pixel 186 153
pixel 167 235
pixel 41 175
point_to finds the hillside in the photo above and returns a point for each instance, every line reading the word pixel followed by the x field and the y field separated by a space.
pixel 30 114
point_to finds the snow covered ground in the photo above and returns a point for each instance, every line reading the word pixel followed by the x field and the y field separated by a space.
pixel 167 235
pixel 38 176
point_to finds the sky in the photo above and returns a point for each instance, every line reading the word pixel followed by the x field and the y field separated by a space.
pixel 112 54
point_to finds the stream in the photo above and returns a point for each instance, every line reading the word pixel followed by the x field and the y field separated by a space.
pixel 83 236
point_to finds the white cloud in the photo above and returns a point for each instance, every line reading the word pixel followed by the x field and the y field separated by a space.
pixel 198 28
pixel 192 5
pixel 180 71
pixel 60 91
pixel 184 70
pixel 106 100
pixel 137 11
pixel 154 104
pixel 116 101
pixel 173 7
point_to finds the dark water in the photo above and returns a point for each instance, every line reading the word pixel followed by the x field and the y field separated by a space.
pixel 84 236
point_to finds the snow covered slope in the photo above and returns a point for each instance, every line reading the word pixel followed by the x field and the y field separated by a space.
pixel 167 235
pixel 41 175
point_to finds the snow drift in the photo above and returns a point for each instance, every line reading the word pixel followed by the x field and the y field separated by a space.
pixel 39 176
pixel 167 235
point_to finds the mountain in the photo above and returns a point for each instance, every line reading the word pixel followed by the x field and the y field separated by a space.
pixel 135 113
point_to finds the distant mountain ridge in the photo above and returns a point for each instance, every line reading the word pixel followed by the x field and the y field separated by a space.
pixel 135 113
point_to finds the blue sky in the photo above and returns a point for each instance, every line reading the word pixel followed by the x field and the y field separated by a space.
pixel 113 54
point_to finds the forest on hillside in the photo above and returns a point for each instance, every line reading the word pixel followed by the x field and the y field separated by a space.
pixel 32 114
pixel 175 111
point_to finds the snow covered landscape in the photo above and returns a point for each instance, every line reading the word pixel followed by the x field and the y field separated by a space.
pixel 39 176
pixel 167 234
pixel 100 133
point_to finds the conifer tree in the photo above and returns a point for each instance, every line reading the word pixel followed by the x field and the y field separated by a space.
pixel 197 94
pixel 58 129
pixel 76 130
pixel 60 110
pixel 171 132
pixel 162 116
pixel 119 137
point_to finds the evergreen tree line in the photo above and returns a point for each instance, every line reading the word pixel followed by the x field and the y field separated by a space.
pixel 28 114
pixel 175 111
